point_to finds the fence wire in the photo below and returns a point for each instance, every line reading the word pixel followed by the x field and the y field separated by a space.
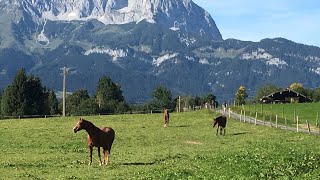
pixel 269 123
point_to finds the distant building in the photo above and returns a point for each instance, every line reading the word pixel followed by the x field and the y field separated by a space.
pixel 285 96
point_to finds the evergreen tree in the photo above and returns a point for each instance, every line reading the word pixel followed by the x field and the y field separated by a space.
pixel 25 96
pixel 87 107
pixel 197 101
pixel 36 97
pixel 74 101
pixel 52 103
pixel 210 99
pixel 162 98
pixel 6 105
pixel 109 97
pixel 14 100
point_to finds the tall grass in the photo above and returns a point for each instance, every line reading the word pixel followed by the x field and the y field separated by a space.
pixel 144 149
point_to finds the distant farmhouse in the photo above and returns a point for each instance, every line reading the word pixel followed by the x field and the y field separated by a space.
pixel 285 96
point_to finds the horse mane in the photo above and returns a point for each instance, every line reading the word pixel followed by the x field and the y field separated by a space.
pixel 88 125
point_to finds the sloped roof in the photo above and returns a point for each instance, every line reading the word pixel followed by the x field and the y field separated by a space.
pixel 286 90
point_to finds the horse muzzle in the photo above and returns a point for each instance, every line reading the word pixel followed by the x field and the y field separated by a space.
pixel 75 129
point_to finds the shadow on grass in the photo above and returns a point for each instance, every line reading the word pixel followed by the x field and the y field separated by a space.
pixel 138 163
pixel 240 133
pixel 157 161
pixel 181 126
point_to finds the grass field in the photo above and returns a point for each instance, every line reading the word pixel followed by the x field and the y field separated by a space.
pixel 144 149
pixel 305 112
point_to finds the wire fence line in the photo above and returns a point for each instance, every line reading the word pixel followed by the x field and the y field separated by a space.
pixel 153 111
pixel 242 117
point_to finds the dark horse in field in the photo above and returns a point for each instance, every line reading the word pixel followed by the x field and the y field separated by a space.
pixel 222 122
pixel 166 117
pixel 97 138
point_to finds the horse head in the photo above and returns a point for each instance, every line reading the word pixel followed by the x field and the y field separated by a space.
pixel 79 126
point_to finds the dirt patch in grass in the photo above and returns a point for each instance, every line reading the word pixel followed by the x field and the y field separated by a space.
pixel 305 126
pixel 193 142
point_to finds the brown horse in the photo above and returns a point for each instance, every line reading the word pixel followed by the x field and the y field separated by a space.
pixel 166 117
pixel 97 138
pixel 222 122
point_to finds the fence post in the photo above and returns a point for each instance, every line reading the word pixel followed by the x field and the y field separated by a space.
pixel 240 115
pixel 317 120
pixel 244 116
pixel 270 121
pixel 229 112
pixel 309 131
pixel 151 111
pixel 255 119
pixel 286 123
pixel 297 120
pixel 276 121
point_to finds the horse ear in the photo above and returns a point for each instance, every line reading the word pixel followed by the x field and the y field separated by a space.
pixel 81 119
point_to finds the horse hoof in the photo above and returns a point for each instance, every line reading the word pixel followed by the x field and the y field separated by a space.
pixel 89 164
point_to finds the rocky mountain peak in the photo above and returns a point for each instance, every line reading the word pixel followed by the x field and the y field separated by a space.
pixel 177 15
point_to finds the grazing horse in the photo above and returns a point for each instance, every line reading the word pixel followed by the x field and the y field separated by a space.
pixel 222 122
pixel 97 138
pixel 166 117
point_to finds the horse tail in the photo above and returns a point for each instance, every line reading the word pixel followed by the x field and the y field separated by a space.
pixel 113 135
pixel 215 124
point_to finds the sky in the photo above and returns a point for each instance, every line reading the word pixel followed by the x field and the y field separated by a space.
pixel 253 20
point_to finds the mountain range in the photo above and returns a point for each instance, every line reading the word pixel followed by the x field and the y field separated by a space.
pixel 142 44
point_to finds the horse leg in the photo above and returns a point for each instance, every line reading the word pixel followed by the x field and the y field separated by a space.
pixel 224 131
pixel 90 155
pixel 221 130
pixel 106 156
pixel 217 131
pixel 99 156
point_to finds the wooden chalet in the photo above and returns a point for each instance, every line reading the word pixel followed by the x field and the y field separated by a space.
pixel 285 96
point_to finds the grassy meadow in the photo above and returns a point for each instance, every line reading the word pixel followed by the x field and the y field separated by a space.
pixel 305 111
pixel 144 149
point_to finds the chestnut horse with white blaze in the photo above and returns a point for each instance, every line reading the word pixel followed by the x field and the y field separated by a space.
pixel 97 137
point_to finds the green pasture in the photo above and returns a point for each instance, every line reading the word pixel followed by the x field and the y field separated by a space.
pixel 305 111
pixel 144 149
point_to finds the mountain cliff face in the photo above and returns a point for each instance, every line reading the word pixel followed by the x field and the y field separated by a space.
pixel 141 44
pixel 183 15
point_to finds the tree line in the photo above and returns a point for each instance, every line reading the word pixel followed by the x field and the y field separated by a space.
pixel 27 96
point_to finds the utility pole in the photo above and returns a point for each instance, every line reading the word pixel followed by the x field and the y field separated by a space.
pixel 64 92
pixel 179 104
